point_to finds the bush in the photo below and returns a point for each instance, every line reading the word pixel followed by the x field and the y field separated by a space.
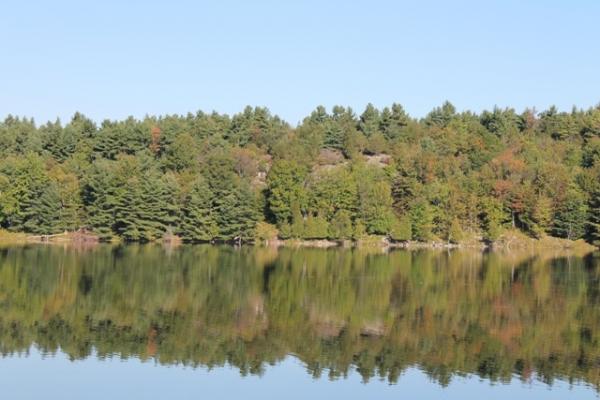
pixel 341 225
pixel 360 231
pixel 316 228
pixel 266 231
pixel 401 229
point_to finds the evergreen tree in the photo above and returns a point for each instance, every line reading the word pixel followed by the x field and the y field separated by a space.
pixel 101 194
pixel 492 217
pixel 236 214
pixel 285 187
pixel 370 121
pixel 570 217
pixel 197 222
pixel 182 153
pixel 422 221
pixel 157 206
pixel 338 126
pixel 42 215
pixel 394 122
pixel 297 226
pixel 441 116
pixel 127 221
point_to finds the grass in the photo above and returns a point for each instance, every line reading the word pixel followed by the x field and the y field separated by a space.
pixel 7 237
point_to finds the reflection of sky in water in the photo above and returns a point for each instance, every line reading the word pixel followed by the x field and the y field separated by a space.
pixel 55 377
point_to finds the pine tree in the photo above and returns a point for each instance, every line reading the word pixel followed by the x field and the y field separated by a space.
pixel 197 222
pixel 422 221
pixel 492 217
pixel 236 213
pixel 370 121
pixel 42 215
pixel 155 208
pixel 126 210
pixel 570 216
pixel 297 226
pixel 285 187
pixel 393 122
pixel 101 194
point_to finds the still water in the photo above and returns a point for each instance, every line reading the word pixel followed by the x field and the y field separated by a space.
pixel 257 323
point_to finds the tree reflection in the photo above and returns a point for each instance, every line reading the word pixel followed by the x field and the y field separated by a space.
pixel 448 313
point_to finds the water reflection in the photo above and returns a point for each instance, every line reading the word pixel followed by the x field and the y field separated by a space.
pixel 448 313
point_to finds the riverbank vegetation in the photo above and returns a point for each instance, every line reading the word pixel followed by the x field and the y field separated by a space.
pixel 450 176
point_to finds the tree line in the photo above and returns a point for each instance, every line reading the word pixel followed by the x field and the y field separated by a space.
pixel 337 175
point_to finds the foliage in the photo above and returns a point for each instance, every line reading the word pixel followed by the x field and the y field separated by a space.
pixel 341 225
pixel 401 229
pixel 450 314
pixel 455 232
pixel 212 177
pixel 266 232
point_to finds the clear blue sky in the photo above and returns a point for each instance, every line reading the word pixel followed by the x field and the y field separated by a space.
pixel 109 59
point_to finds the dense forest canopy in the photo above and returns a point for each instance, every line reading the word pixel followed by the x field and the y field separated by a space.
pixel 339 175
pixel 449 313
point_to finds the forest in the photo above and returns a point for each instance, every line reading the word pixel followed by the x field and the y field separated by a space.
pixel 339 175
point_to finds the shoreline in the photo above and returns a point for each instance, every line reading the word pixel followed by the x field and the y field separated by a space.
pixel 549 243
pixel 508 241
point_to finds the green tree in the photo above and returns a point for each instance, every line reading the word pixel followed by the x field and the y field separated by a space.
pixel 455 231
pixel 421 215
pixel 376 207
pixel 297 226
pixel 285 186
pixel 182 153
pixel 316 227
pixel 401 229
pixel 570 216
pixel 370 121
pixel 394 122
pixel 236 214
pixel 542 215
pixel 360 230
pixel 492 216
pixel 340 226
pixel 197 220
pixel 594 214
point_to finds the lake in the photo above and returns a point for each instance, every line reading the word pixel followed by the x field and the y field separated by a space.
pixel 222 322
